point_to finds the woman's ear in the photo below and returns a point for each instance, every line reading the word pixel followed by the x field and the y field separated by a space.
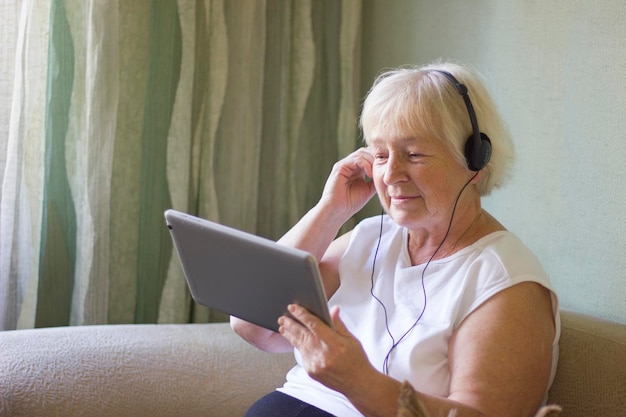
pixel 478 175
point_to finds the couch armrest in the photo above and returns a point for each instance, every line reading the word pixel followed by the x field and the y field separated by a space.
pixel 591 374
pixel 134 370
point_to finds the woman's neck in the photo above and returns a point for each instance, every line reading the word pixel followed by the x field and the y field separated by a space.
pixel 470 227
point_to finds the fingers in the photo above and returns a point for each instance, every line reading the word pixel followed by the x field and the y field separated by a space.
pixel 307 326
pixel 357 164
pixel 348 188
pixel 304 322
pixel 363 160
pixel 303 329
pixel 333 358
pixel 340 328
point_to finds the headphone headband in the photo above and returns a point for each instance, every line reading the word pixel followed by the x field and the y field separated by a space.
pixel 478 146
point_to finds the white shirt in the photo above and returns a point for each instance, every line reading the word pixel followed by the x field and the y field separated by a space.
pixel 452 288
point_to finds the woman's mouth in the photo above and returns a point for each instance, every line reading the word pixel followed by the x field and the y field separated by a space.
pixel 401 199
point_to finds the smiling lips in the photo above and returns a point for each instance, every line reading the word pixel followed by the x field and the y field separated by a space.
pixel 399 199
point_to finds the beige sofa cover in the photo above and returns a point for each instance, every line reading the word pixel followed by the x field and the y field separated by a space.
pixel 206 370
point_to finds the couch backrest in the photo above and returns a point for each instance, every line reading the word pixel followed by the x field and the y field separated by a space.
pixel 591 374
pixel 205 370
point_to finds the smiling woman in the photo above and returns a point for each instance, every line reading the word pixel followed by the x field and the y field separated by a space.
pixel 436 293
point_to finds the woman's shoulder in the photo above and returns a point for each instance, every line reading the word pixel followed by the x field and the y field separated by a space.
pixel 503 260
pixel 507 247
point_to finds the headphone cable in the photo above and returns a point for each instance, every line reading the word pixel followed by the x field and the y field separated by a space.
pixel 395 344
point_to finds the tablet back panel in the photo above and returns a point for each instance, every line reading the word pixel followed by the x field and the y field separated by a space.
pixel 245 275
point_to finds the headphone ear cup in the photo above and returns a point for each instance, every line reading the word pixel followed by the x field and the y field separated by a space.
pixel 477 160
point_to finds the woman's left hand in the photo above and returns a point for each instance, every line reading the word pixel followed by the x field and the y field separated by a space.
pixel 335 358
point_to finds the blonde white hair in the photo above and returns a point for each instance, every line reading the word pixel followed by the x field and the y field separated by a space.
pixel 421 102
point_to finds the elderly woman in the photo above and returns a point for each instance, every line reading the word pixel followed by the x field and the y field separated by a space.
pixel 436 292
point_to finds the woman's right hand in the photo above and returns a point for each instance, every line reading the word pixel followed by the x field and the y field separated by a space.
pixel 349 186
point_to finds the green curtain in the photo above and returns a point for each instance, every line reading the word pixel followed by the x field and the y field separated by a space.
pixel 234 110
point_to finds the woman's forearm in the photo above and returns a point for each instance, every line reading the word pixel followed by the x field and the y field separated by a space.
pixel 386 396
pixel 315 231
pixel 262 338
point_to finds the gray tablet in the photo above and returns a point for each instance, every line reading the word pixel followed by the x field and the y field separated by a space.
pixel 245 275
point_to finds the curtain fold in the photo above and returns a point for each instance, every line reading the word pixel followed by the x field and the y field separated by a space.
pixel 231 110
pixel 58 234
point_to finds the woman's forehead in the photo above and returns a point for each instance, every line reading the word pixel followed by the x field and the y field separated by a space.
pixel 402 140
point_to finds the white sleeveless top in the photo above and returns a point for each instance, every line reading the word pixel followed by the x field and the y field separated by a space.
pixel 452 288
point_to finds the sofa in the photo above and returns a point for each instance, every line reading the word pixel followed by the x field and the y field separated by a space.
pixel 206 370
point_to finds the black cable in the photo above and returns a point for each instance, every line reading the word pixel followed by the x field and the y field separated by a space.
pixel 395 344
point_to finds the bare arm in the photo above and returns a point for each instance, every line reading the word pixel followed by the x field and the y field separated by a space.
pixel 346 192
pixel 500 359
pixel 501 356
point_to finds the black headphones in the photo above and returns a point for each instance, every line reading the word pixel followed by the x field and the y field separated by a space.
pixel 478 146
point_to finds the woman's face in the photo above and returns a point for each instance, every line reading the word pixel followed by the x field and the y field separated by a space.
pixel 417 179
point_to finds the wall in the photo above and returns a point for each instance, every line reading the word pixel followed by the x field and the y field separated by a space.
pixel 558 72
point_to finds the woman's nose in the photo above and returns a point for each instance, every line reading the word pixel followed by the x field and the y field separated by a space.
pixel 394 170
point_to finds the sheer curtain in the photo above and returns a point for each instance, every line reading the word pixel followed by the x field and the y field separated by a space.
pixel 114 110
